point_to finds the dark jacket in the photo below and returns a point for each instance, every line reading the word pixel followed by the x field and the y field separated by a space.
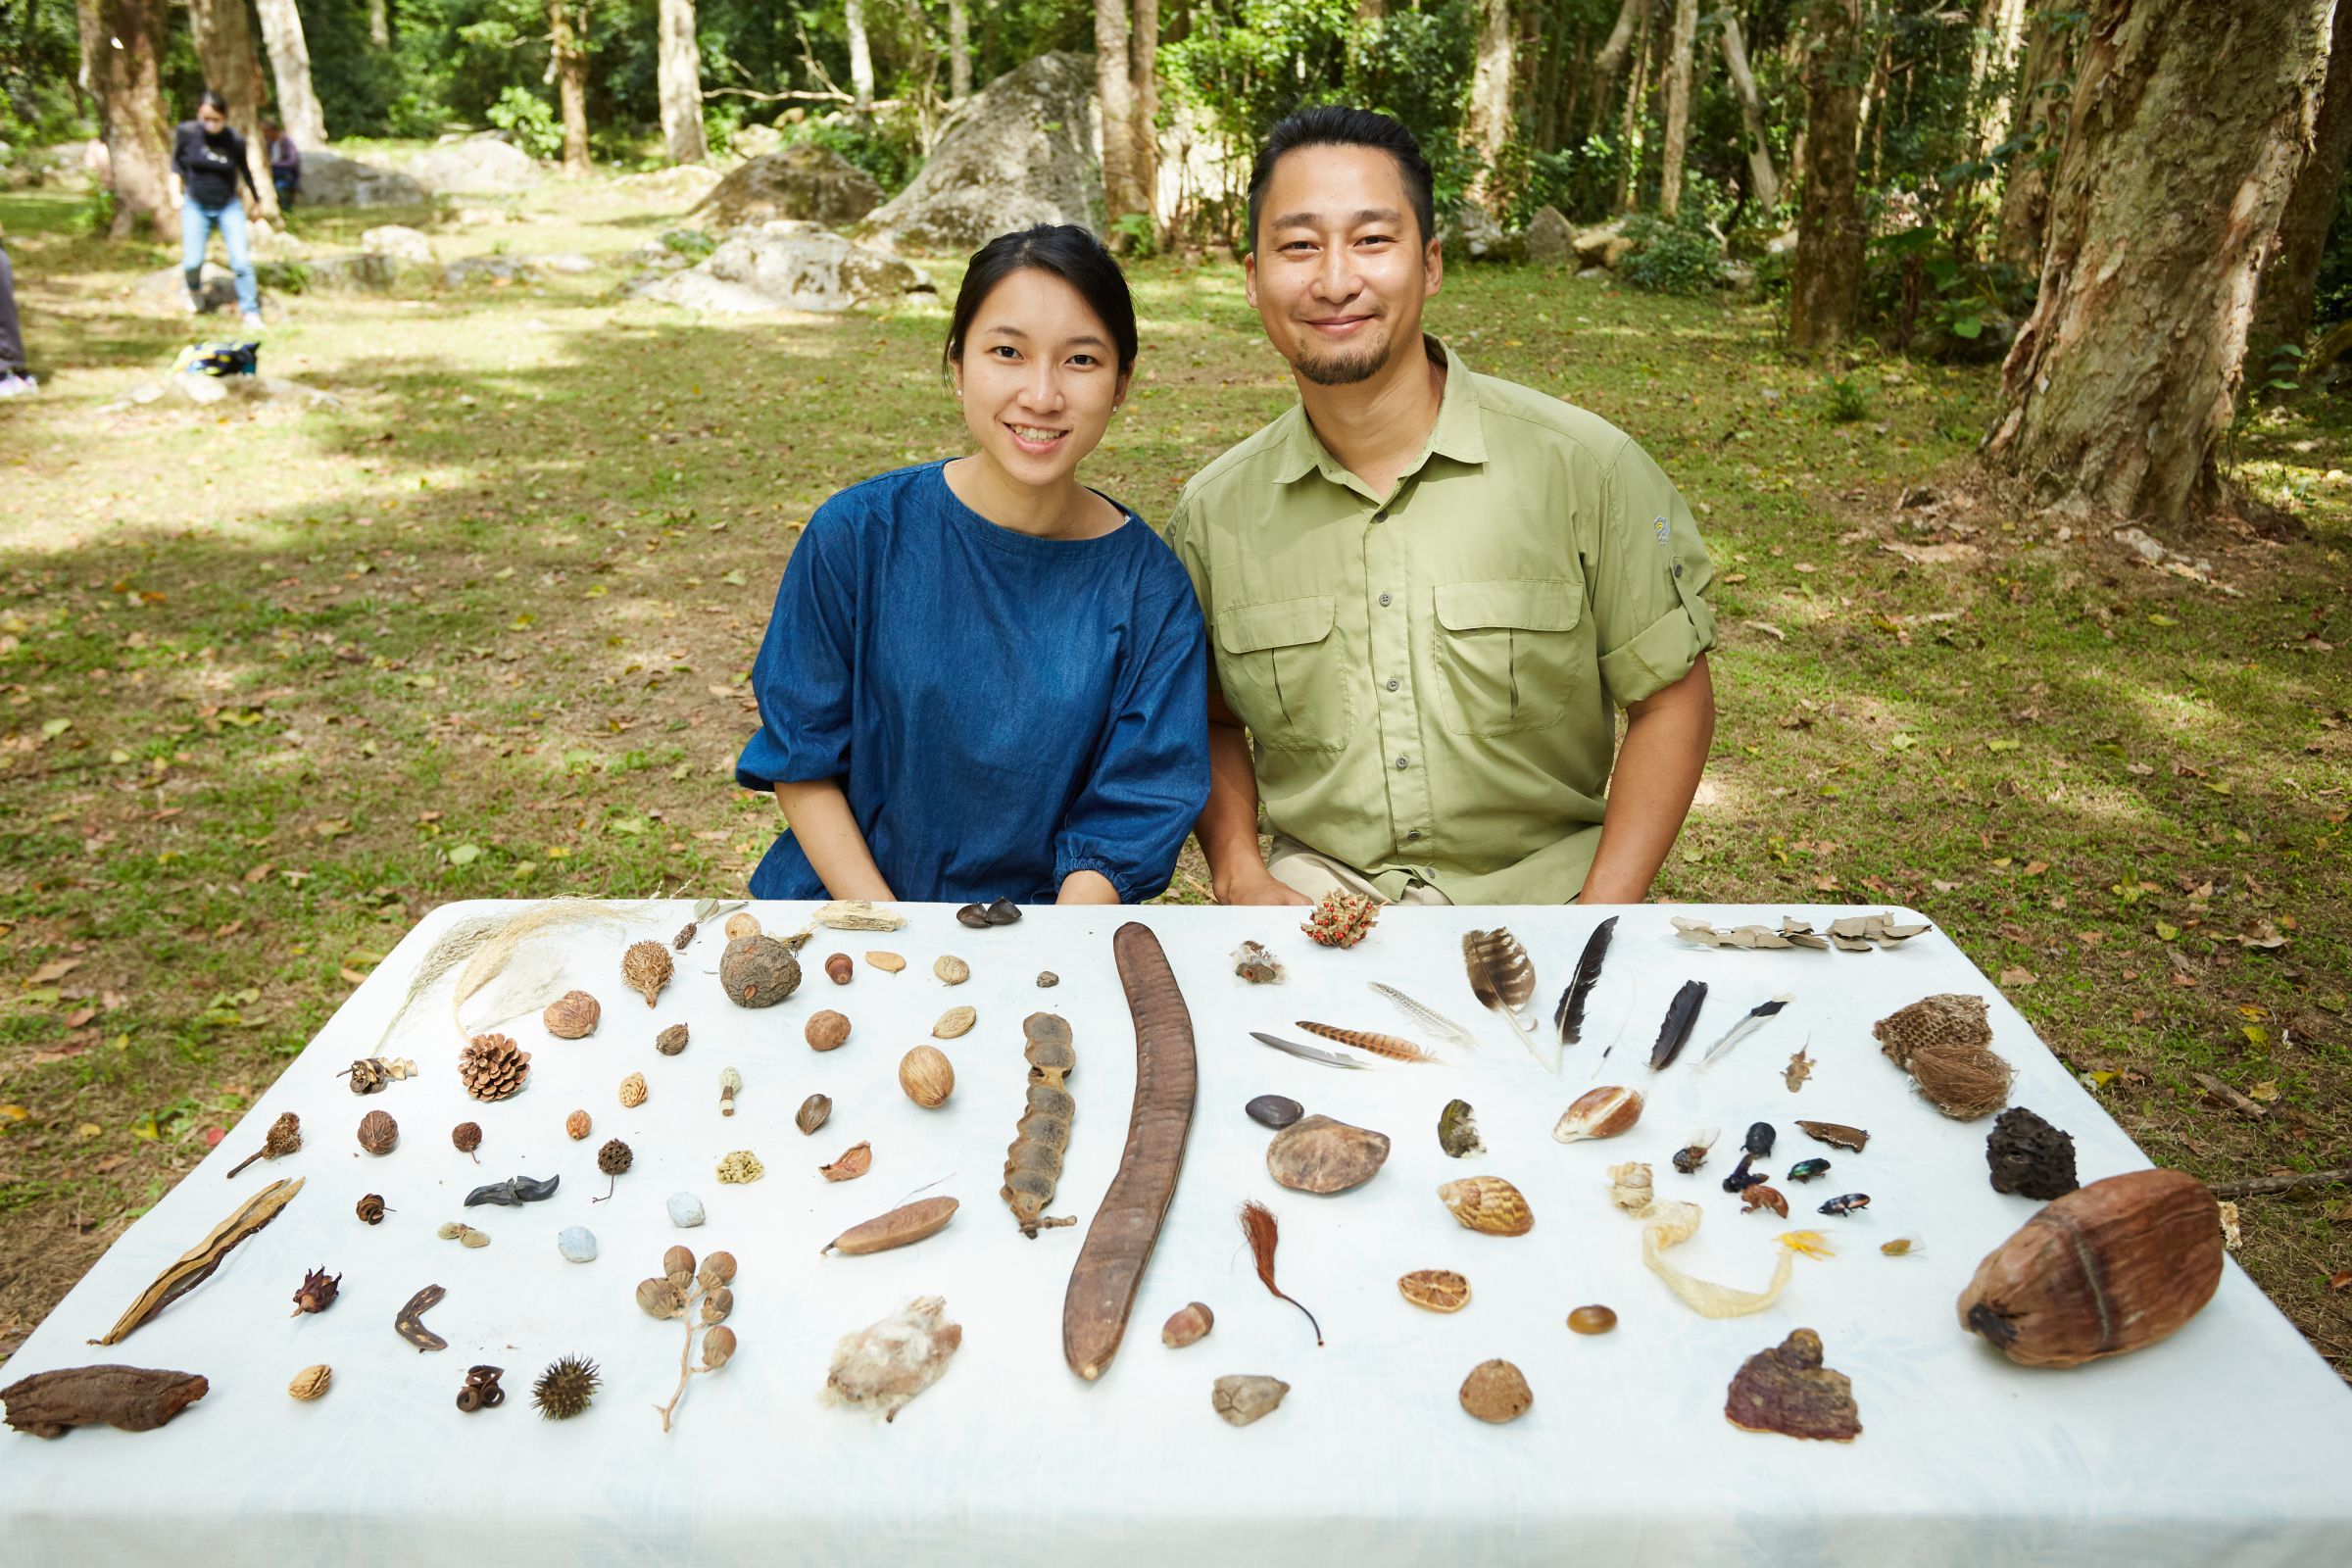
pixel 210 165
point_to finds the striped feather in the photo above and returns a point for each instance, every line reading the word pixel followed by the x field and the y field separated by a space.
pixel 1388 1046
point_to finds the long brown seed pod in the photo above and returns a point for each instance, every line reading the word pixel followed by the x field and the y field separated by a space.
pixel 1388 1046
pixel 1118 1244
pixel 903 1226
pixel 1259 1226
pixel 1033 1162
pixel 197 1263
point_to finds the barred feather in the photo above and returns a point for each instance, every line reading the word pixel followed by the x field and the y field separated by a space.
pixel 1388 1046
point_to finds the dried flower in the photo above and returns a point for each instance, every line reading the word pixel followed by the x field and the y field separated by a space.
pixel 316 1293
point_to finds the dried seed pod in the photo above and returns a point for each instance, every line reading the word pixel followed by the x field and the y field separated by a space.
pixel 633 1090
pixel 1602 1112
pixel 903 1226
pixel 839 968
pixel 1321 1155
pixel 2108 1269
pixel 1787 1389
pixel 716 1304
pixel 1241 1398
pixel 370 1210
pixel 468 1137
pixel 493 1067
pixel 1342 919
pixel 646 968
pixel 718 1347
pixel 827 1031
pixel 741 923
pixel 283 1138
pixel 409 1323
pixel 1033 1160
pixel 954 1023
pixel 311 1381
pixel 927 1076
pixel 1437 1289
pixel 1254 962
pixel 615 1157
pixel 1189 1324
pixel 973 916
pixel 659 1299
pixel 678 1259
pixel 886 961
pixel 670 1041
pixel 759 971
pixel 315 1293
pixel 951 969
pixel 1457 1133
pixel 813 1112
pixel 573 1015
pixel 1488 1203
pixel 380 1134
pixel 564 1389
pixel 1591 1320
pixel 855 1161
pixel 577 1125
pixel 1274 1111
pixel 1496 1392
pixel 718 1268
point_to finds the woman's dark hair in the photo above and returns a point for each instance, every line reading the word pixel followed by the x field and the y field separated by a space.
pixel 1336 126
pixel 1070 254
pixel 209 99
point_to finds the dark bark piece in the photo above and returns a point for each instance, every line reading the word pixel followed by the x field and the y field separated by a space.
pixel 132 1399
pixel 196 1265
pixel 1825 289
pixel 1787 1389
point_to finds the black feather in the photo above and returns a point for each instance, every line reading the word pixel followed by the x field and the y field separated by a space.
pixel 1569 1016
pixel 1681 1015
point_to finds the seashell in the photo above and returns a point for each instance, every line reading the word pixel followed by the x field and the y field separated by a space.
pixel 577 1125
pixel 1488 1203
pixel 927 1076
pixel 741 923
pixel 577 1244
pixel 1273 1111
pixel 1457 1134
pixel 839 968
pixel 1591 1320
pixel 1321 1155
pixel 633 1090
pixel 1787 1389
pixel 1835 1134
pixel 813 1112
pixel 685 1210
pixel 1496 1392
pixel 1602 1112
pixel 670 1041
pixel 380 1134
pixel 1241 1398
pixel 887 962
pixel 2106 1269
pixel 1439 1290
pixel 951 969
pixel 855 1161
pixel 827 1031
pixel 573 1015
pixel 1187 1325
pixel 954 1023
pixel 311 1381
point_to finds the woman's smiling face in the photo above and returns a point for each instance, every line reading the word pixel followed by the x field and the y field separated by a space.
pixel 1038 377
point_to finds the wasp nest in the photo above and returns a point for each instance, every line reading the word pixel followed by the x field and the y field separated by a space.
pixel 1945 1045
pixel 492 1067
pixel 573 1015
pixel 2030 1157
pixel 646 968
pixel 759 971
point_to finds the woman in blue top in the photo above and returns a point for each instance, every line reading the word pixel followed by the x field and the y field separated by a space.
pixel 984 679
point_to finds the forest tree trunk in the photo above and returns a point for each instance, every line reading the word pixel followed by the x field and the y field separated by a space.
pixel 1615 51
pixel 960 50
pixel 1679 50
pixel 1115 87
pixel 2045 93
pixel 2282 307
pixel 231 68
pixel 1142 48
pixel 1489 117
pixel 570 41
pixel 678 71
pixel 1629 165
pixel 1825 288
pixel 2186 141
pixel 1763 180
pixel 291 65
pixel 380 23
pixel 128 88
pixel 862 57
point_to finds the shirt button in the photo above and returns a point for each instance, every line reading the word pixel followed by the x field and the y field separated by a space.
pixel 1382 516
pixel 1678 569
pixel 1391 685
pixel 1383 598
pixel 1413 836
pixel 1403 763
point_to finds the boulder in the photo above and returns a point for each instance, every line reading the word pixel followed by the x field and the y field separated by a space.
pixel 492 270
pixel 1604 245
pixel 478 165
pixel 370 270
pixel 1019 152
pixel 1477 237
pixel 1550 241
pixel 756 141
pixel 808 183
pixel 329 180
pixel 786 267
pixel 399 243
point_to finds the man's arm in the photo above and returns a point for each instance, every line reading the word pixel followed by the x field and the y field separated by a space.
pixel 1228 826
pixel 1666 739
pixel 820 818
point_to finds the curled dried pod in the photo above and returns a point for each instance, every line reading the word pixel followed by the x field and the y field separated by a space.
pixel 826 1031
pixel 759 971
pixel 633 1090
pixel 1602 1112
pixel 380 1134
pixel 927 1076
pixel 310 1381
pixel 659 1299
pixel 718 1304
pixel 741 923
pixel 1435 1290
pixel 1488 1204
pixel 370 1210
pixel 573 1015
pixel 954 1023
pixel 839 967
pixel 1496 1392
pixel 670 1041
pixel 468 1137
pixel 577 1125
pixel 813 1112
pixel 646 968
pixel 1187 1325
pixel 855 1161
pixel 951 969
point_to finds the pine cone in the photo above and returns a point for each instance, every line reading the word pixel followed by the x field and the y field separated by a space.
pixel 646 968
pixel 493 1066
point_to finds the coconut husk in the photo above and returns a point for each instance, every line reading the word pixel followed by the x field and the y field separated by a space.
pixel 1945 1043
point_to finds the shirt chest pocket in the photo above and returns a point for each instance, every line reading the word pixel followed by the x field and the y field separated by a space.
pixel 1281 670
pixel 1511 652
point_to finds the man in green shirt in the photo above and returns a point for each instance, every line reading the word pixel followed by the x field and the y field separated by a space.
pixel 1429 591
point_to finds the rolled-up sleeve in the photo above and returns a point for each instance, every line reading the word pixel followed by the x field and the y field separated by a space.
pixel 1150 777
pixel 1650 574
pixel 804 675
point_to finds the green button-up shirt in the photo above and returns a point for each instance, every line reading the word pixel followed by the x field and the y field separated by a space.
pixel 1431 677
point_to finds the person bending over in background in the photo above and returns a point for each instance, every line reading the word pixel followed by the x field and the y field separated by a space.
pixel 285 165
pixel 15 381
pixel 210 159
pixel 984 679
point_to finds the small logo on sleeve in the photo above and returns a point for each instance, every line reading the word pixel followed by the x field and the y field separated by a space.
pixel 1665 532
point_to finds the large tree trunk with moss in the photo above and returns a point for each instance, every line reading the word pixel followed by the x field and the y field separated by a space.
pixel 1115 87
pixel 679 75
pixel 2044 93
pixel 1488 122
pixel 2188 135
pixel 231 68
pixel 862 57
pixel 1763 179
pixel 1679 49
pixel 2282 307
pixel 568 43
pixel 120 42
pixel 1825 287
pixel 290 66
pixel 960 50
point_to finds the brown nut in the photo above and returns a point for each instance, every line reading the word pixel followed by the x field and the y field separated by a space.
pixel 573 1015
pixel 576 1124
pixel 927 1076
pixel 378 1133
pixel 827 1031
pixel 839 968
pixel 1189 1323
pixel 670 1041
pixel 1496 1392
pixel 678 1260
pixel 813 1112
pixel 1592 1320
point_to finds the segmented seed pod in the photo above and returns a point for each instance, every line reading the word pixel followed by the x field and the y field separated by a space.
pixel 1488 1204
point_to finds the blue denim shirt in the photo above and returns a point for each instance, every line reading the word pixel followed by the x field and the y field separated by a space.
pixel 1001 710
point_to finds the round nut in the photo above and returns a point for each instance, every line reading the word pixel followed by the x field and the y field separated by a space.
pixel 670 1041
pixel 577 1124
pixel 633 1090
pixel 310 1381
pixel 378 1133
pixel 927 1076
pixel 951 969
pixel 827 1031
pixel 741 923
pixel 573 1015
pixel 839 968
pixel 1496 1392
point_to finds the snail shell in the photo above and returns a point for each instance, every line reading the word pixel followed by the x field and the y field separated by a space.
pixel 1488 1204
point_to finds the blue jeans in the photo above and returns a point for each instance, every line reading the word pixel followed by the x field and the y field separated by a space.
pixel 196 226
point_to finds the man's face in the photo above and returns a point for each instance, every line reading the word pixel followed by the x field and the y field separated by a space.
pixel 1340 268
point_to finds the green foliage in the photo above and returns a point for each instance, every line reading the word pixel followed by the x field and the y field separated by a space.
pixel 1930 298
pixel 527 118
pixel 282 277
pixel 887 148
pixel 1137 235
pixel 1672 259
pixel 688 242
pixel 1845 400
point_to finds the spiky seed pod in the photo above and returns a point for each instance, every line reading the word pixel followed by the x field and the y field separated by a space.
pixel 318 1292
pixel 646 968
pixel 573 1015
pixel 670 1041
pixel 614 1157
pixel 564 1389
pixel 492 1067
pixel 380 1134
pixel 577 1125
pixel 1342 919
pixel 370 1210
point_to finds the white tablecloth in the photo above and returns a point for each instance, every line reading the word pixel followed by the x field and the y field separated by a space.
pixel 2227 1442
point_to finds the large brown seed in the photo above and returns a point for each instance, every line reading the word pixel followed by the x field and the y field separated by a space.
pixel 1187 1325
pixel 927 1076
pixel 380 1134
pixel 827 1030
pixel 1439 1290
pixel 1592 1320
pixel 1318 1154
pixel 1496 1392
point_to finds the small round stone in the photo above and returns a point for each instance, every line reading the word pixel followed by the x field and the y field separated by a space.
pixel 1047 979
pixel 577 1244
pixel 685 1210
pixel 1273 1111
pixel 1591 1320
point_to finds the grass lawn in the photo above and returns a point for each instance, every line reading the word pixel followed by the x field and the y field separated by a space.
pixel 278 680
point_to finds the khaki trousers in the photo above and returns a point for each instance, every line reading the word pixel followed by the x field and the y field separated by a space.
pixel 1315 874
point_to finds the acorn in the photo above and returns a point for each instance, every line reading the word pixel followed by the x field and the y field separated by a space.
pixel 1187 1325
pixel 839 967
pixel 827 1031
pixel 573 1015
pixel 927 1076
pixel 759 971
pixel 380 1134
pixel 468 1136
pixel 2106 1269
pixel 577 1125
pixel 564 1389
pixel 646 968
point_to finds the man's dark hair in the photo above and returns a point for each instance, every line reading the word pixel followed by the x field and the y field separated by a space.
pixel 1338 126
pixel 1070 254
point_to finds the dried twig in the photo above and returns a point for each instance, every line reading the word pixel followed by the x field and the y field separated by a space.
pixel 2229 1096
pixel 2264 1186
pixel 196 1265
